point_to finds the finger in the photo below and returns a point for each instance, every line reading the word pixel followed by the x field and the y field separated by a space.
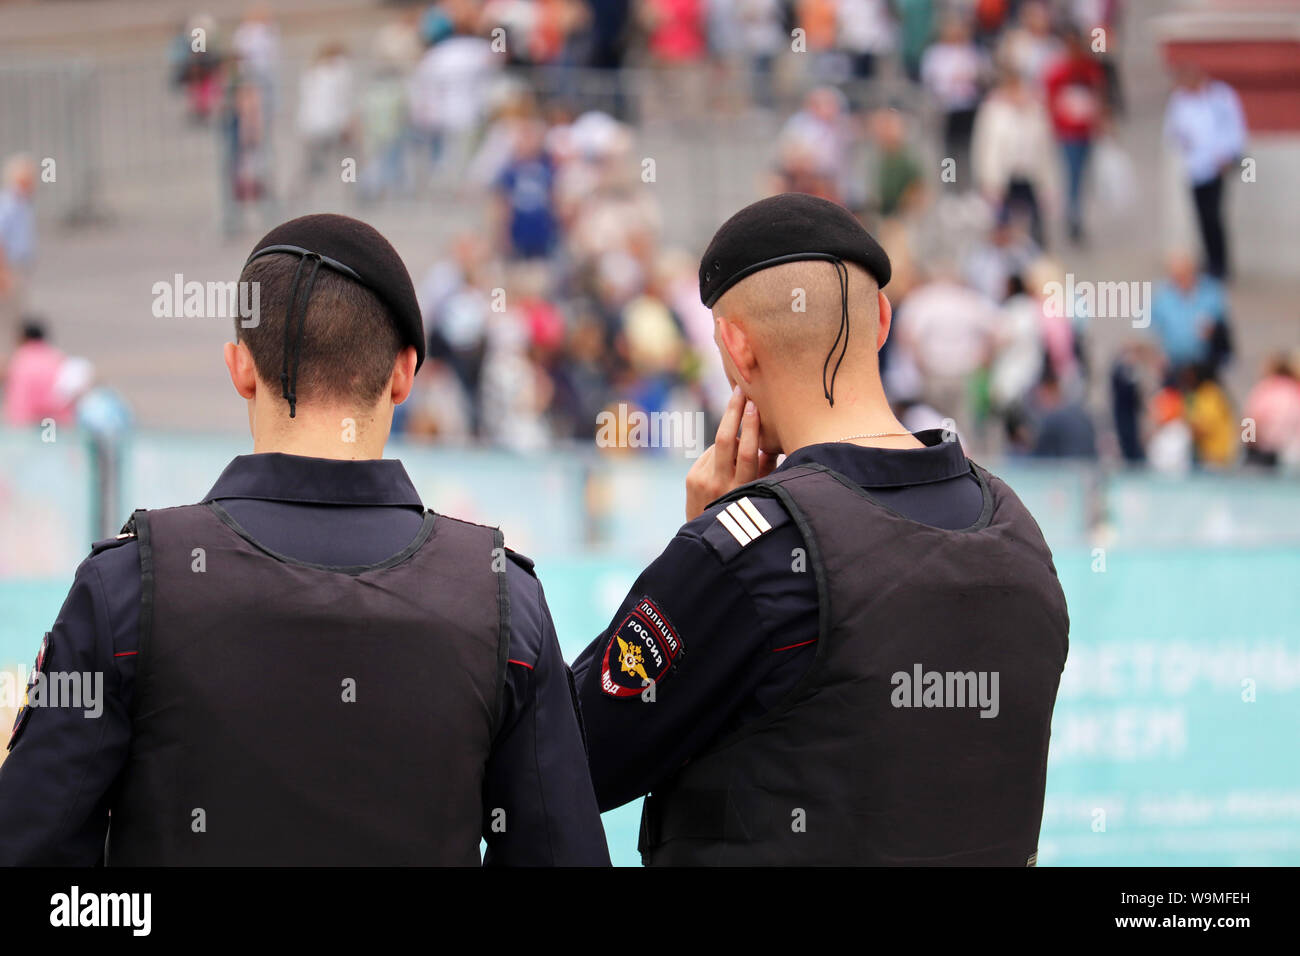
pixel 747 453
pixel 724 455
pixel 766 464
pixel 703 463
pixel 698 482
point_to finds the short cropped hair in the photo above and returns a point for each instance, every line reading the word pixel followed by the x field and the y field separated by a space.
pixel 349 339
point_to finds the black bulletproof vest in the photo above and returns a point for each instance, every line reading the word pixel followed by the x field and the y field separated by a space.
pixel 840 772
pixel 286 713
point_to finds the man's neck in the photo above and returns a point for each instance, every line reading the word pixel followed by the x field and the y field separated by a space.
pixel 864 418
pixel 341 436
pixel 315 449
pixel 882 433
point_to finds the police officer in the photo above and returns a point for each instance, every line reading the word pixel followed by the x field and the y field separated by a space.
pixel 851 658
pixel 306 667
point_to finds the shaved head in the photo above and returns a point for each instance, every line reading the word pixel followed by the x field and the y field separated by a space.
pixel 793 310
pixel 798 337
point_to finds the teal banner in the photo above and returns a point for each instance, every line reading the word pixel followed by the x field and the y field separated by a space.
pixel 1176 737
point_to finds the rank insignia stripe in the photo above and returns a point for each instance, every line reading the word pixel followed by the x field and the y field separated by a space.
pixel 744 521
pixel 641 652
pixel 754 514
pixel 738 515
pixel 732 527
pixel 737 532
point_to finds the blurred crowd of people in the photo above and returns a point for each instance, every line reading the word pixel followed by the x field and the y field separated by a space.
pixel 570 303
pixel 978 172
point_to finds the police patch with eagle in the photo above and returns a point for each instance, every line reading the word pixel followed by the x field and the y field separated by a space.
pixel 25 710
pixel 641 652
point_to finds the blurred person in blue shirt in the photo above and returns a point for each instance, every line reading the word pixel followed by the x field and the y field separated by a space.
pixel 17 229
pixel 1189 315
pixel 526 196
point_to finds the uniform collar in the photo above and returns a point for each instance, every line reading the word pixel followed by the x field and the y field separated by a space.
pixel 869 467
pixel 271 476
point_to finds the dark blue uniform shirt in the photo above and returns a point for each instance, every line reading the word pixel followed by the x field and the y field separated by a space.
pixel 56 785
pixel 745 615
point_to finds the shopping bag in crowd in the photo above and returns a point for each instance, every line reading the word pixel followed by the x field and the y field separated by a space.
pixel 1114 179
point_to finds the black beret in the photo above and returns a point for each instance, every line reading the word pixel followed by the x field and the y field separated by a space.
pixel 354 249
pixel 786 228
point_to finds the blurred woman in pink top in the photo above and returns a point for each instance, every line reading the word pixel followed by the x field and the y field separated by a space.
pixel 31 392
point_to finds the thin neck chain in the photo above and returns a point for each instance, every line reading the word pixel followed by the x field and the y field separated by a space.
pixel 878 435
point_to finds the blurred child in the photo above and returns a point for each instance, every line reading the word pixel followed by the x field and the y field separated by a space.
pixel 1169 449
pixel 1274 407
pixel 1211 417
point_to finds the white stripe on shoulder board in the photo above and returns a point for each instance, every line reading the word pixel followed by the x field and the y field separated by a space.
pixel 755 515
pixel 742 519
pixel 737 532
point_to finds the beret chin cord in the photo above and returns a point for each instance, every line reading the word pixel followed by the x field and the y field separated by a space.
pixel 293 339
pixel 842 273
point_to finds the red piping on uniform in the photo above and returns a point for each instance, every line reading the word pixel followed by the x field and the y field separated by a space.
pixel 789 646
pixel 520 663
pixel 125 653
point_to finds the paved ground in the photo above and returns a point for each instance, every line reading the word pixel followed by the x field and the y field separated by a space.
pixel 154 201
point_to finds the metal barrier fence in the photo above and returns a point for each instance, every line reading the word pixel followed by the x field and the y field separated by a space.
pixel 121 138
pixel 48 111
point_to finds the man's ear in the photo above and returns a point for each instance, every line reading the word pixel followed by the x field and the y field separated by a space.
pixel 243 372
pixel 403 375
pixel 735 342
pixel 886 319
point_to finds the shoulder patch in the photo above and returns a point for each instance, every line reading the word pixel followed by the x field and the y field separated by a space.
pixel 740 523
pixel 25 711
pixel 641 652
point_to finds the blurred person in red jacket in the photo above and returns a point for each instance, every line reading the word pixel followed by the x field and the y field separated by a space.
pixel 1076 90
pixel 677 45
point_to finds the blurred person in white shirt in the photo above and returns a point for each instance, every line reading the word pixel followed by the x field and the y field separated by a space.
pixel 1205 124
pixel 952 71
pixel 994 261
pixel 950 332
pixel 760 38
pixel 1018 362
pixel 449 94
pixel 1030 46
pixel 822 127
pixel 325 107
pixel 866 33
pixel 397 42
pixel 257 42
pixel 1014 153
